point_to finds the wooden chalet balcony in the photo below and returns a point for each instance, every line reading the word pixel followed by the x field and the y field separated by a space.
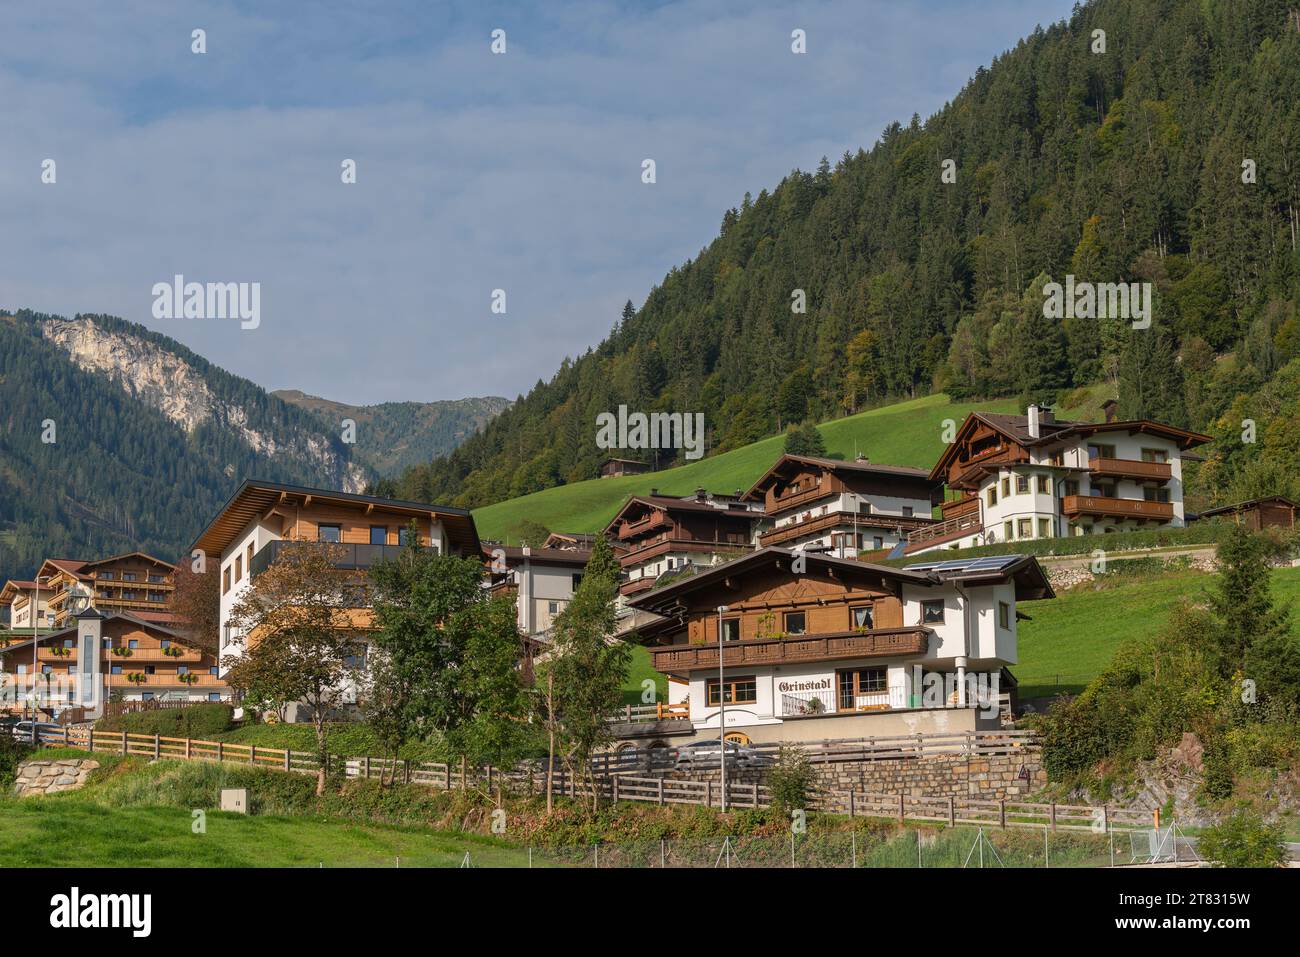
pixel 167 680
pixel 784 503
pixel 960 507
pixel 886 642
pixel 635 529
pixel 1131 469
pixel 819 523
pixel 1073 505
pixel 965 524
pixel 153 655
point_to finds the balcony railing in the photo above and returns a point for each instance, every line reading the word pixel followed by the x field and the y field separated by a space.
pixel 750 651
pixel 352 556
pixel 960 507
pixel 641 714
pixel 1131 468
pixel 796 704
pixel 962 524
pixel 1117 507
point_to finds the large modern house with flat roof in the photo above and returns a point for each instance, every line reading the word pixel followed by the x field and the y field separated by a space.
pixel 1018 477
pixel 262 518
pixel 816 647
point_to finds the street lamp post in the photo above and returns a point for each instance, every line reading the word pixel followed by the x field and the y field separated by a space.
pixel 722 712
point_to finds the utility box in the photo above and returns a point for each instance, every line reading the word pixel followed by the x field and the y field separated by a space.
pixel 234 799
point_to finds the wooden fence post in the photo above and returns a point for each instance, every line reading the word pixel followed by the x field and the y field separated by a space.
pixel 252 754
pixel 708 794
pixel 187 749
pixel 221 752
pixel 615 796
pixel 65 735
pixel 406 771
pixel 952 812
pixel 902 811
pixel 124 744
pixel 1002 814
pixel 852 803
pixel 287 765
pixel 1053 815
pixel 661 792
pixel 157 747
pixel 90 739
pixel 365 767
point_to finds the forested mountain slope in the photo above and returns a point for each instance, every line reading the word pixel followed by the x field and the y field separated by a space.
pixel 148 440
pixel 393 435
pixel 1123 165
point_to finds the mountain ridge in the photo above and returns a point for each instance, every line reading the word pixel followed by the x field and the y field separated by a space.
pixel 394 435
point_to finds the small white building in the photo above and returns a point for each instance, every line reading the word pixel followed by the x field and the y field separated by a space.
pixel 542 581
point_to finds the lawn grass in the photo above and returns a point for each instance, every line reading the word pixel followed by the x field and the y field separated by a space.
pixel 1072 637
pixel 638 671
pixel 68 831
pixel 907 433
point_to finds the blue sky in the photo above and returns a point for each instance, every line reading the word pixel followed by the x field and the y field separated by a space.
pixel 475 172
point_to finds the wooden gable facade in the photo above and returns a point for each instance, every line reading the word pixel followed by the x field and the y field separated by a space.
pixel 647 526
pixel 977 447
pixel 827 611
pixel 795 482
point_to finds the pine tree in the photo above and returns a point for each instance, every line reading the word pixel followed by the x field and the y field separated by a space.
pixel 1150 378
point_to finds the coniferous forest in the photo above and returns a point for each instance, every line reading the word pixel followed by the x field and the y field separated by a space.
pixel 1173 157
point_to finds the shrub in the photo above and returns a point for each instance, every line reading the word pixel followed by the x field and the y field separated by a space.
pixel 792 781
pixel 1243 839
pixel 196 721
pixel 11 752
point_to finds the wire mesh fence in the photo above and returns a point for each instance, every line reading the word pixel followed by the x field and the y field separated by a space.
pixel 959 847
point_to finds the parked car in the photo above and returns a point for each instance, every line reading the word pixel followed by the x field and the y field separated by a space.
pixel 29 730
pixel 707 754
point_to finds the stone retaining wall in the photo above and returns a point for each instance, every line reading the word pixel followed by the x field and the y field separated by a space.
pixel 980 777
pixel 51 777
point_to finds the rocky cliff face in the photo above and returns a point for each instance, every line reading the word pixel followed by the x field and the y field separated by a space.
pixel 169 383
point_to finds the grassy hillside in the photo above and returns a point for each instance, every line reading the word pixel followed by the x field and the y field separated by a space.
pixel 1072 637
pixel 908 433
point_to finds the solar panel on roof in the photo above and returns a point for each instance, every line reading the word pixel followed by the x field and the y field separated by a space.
pixel 986 563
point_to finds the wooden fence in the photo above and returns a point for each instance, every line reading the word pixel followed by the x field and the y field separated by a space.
pixel 617 786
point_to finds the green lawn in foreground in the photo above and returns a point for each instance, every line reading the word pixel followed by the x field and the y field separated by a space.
pixel 1074 635
pixel 908 433
pixel 66 831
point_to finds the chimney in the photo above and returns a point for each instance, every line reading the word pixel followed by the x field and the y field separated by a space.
pixel 1110 407
pixel 701 495
pixel 654 491
pixel 862 459
pixel 1046 416
pixel 1035 431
